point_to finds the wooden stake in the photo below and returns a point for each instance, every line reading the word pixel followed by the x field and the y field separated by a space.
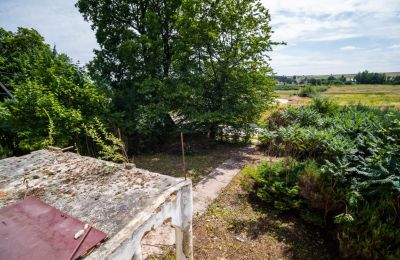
pixel 183 156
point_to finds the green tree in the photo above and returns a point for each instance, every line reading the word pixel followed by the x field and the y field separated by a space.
pixel 395 80
pixel 205 61
pixel 366 77
pixel 230 39
pixel 138 41
pixel 53 98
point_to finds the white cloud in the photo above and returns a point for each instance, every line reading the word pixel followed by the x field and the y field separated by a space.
pixel 331 7
pixel 315 32
pixel 302 27
pixel 331 20
pixel 58 21
pixel 335 36
pixel 349 48
pixel 321 63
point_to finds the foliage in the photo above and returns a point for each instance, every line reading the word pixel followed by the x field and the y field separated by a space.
pixel 108 144
pixel 395 80
pixel 366 77
pixel 286 80
pixel 287 87
pixel 357 190
pixel 277 183
pixel 311 91
pixel 204 61
pixel 324 105
pixel 53 98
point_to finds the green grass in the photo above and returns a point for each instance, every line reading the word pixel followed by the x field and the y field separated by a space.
pixel 365 89
pixel 373 100
pixel 198 164
pixel 368 95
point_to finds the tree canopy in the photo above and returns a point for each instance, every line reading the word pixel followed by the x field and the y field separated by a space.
pixel 204 61
pixel 54 101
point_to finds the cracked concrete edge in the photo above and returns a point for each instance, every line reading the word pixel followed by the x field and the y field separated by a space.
pixel 208 189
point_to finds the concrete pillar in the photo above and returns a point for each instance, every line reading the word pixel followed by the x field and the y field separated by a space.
pixel 138 253
pixel 183 232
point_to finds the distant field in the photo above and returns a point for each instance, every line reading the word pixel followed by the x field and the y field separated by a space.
pixel 389 74
pixel 369 95
pixel 364 89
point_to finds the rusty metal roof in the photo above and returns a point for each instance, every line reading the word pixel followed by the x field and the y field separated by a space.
pixel 118 198
pixel 31 229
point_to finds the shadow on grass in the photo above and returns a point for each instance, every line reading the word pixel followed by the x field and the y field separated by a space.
pixel 304 240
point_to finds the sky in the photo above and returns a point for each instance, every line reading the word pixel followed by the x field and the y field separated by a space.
pixel 322 36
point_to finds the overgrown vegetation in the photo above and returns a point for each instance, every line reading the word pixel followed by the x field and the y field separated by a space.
pixel 162 67
pixel 311 91
pixel 235 227
pixel 345 173
pixel 54 102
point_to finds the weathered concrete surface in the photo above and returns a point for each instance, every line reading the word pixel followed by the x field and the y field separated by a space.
pixel 204 193
pixel 124 203
pixel 208 189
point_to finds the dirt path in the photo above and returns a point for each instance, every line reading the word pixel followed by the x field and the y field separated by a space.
pixel 236 227
pixel 208 189
pixel 228 224
pixel 204 193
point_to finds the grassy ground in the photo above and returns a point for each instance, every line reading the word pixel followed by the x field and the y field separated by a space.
pixel 369 95
pixel 198 164
pixel 235 227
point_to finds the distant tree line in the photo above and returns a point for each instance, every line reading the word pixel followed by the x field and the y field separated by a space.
pixel 364 77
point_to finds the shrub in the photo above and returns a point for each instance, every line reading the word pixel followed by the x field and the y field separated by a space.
pixel 277 182
pixel 308 91
pixel 324 105
pixel 356 192
pixel 287 87
pixel 292 116
pixel 312 91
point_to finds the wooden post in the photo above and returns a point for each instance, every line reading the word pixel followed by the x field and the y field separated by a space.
pixel 183 155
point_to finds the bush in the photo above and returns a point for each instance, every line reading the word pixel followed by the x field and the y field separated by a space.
pixel 287 87
pixel 312 91
pixel 356 192
pixel 324 105
pixel 277 183
pixel 308 91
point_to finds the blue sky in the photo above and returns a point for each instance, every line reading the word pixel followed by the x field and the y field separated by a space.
pixel 323 36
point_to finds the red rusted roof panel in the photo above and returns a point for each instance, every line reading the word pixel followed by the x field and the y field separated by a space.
pixel 31 229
